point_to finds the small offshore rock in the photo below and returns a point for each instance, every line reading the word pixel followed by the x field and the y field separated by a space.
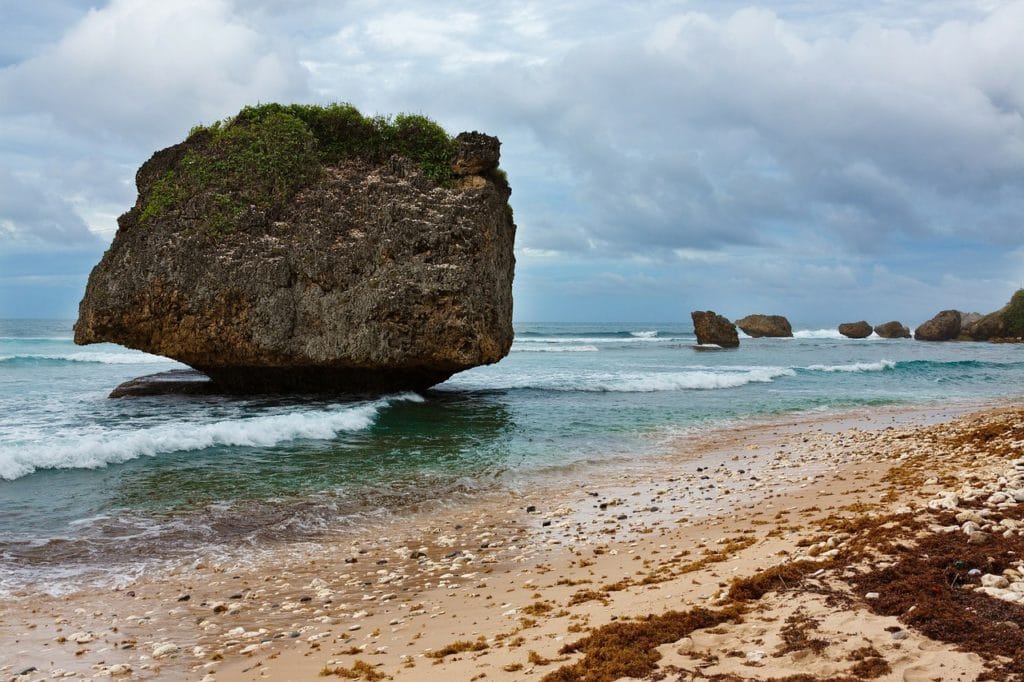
pixel 714 329
pixel 765 326
pixel 855 330
pixel 943 327
pixel 893 330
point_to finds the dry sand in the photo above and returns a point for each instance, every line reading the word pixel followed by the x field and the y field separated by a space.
pixel 812 508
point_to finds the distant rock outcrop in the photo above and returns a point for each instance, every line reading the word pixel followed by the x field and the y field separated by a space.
pixel 893 330
pixel 943 327
pixel 855 330
pixel 712 328
pixel 968 319
pixel 765 325
pixel 303 248
pixel 1005 324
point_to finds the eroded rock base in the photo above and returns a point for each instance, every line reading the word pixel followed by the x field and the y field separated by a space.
pixel 265 381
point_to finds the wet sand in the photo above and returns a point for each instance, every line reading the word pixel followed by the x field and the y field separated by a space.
pixel 495 588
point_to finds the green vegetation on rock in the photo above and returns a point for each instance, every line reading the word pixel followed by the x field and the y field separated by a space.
pixel 1014 315
pixel 256 161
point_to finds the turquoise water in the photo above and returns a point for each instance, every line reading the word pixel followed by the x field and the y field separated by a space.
pixel 88 482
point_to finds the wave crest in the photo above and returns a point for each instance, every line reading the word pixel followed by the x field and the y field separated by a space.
pixel 554 349
pixel 692 380
pixel 879 366
pixel 817 334
pixel 94 451
pixel 127 358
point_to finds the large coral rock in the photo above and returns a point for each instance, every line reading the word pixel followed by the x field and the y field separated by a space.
pixel 855 330
pixel 1005 324
pixel 765 325
pixel 372 276
pixel 942 327
pixel 712 328
pixel 893 330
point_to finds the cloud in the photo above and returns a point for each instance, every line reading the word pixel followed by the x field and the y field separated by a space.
pixel 754 153
pixel 139 69
pixel 30 218
pixel 707 132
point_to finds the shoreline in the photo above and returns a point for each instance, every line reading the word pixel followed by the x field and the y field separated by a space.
pixel 660 451
pixel 421 583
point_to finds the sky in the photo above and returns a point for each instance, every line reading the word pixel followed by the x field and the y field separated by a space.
pixel 862 161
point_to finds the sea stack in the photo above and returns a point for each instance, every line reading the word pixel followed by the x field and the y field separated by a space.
pixel 1005 324
pixel 759 326
pixel 893 330
pixel 306 248
pixel 712 328
pixel 855 330
pixel 945 326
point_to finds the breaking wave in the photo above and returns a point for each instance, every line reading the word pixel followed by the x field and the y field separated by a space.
pixel 92 450
pixel 879 366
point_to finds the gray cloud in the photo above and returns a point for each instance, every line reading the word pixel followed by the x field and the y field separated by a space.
pixel 30 218
pixel 794 146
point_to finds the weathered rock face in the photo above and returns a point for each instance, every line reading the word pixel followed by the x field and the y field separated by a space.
pixel 713 328
pixel 477 154
pixel 1005 324
pixel 968 319
pixel 765 325
pixel 893 330
pixel 855 330
pixel 942 327
pixel 371 277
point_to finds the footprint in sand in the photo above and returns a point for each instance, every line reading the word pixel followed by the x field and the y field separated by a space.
pixel 917 673
pixel 930 645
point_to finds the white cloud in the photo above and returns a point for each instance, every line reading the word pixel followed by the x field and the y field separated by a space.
pixel 141 69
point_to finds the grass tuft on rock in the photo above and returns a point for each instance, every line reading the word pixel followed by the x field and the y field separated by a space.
pixel 252 164
pixel 1014 315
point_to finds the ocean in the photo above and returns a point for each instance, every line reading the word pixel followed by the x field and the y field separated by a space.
pixel 94 491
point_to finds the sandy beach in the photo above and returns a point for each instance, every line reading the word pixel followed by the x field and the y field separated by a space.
pixel 874 544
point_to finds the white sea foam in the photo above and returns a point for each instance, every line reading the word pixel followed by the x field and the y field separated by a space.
pixel 36 338
pixel 554 349
pixel 645 334
pixel 648 382
pixel 95 450
pixel 125 358
pixel 818 334
pixel 596 339
pixel 690 381
pixel 879 366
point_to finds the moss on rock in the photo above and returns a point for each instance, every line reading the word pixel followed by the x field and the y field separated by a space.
pixel 255 162
pixel 1014 315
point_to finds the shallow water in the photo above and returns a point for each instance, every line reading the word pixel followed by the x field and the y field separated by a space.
pixel 89 482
